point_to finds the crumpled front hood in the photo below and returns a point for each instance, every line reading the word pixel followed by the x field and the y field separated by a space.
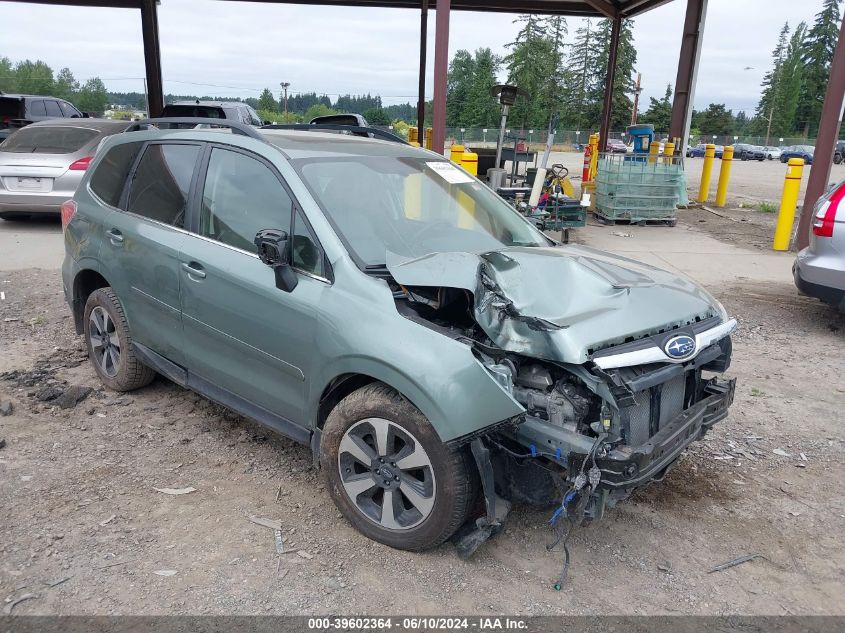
pixel 560 303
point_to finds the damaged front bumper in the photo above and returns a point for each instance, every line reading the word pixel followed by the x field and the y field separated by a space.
pixel 628 467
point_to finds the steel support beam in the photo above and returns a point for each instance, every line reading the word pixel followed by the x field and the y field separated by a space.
pixel 825 140
pixel 607 108
pixel 605 7
pixel 152 57
pixel 423 44
pixel 441 69
pixel 688 59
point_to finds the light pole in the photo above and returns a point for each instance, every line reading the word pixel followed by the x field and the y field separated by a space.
pixel 530 136
pixel 463 129
pixel 285 85
pixel 484 132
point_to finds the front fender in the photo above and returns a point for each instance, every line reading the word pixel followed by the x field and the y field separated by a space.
pixel 450 387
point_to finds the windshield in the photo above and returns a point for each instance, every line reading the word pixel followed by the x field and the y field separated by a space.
pixel 412 207
pixel 48 140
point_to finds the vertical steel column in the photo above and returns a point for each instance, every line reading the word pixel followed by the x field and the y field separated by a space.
pixel 610 79
pixel 825 140
pixel 423 44
pixel 688 60
pixel 152 57
pixel 441 68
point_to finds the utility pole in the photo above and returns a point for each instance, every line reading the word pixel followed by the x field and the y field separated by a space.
pixel 637 91
pixel 285 85
pixel 769 127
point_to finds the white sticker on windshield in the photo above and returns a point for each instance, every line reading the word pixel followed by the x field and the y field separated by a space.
pixel 449 172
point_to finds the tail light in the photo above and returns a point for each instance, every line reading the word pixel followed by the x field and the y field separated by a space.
pixel 826 215
pixel 68 211
pixel 81 164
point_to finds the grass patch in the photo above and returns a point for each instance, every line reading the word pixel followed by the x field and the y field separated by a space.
pixel 766 207
pixel 757 393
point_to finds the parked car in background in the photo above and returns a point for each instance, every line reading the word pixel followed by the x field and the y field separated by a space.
pixel 839 153
pixel 17 111
pixel 616 146
pixel 772 153
pixel 798 151
pixel 744 151
pixel 698 151
pixel 334 288
pixel 42 164
pixel 819 269
pixel 229 110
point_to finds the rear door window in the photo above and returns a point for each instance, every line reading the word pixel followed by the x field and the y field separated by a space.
pixel 111 172
pixel 162 181
pixel 36 108
pixel 241 196
pixel 49 139
pixel 53 109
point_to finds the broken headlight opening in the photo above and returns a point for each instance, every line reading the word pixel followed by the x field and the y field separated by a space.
pixel 591 433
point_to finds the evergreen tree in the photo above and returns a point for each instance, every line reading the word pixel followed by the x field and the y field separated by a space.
pixel 771 81
pixel 529 64
pixel 92 96
pixel 33 78
pixel 789 86
pixel 458 84
pixel 659 113
pixel 65 85
pixel 581 77
pixel 7 76
pixel 818 46
pixel 267 102
pixel 482 109
pixel 623 85
pixel 716 119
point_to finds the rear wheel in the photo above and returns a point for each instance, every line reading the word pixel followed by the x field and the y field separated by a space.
pixel 110 344
pixel 390 474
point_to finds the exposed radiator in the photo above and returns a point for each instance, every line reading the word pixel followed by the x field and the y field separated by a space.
pixel 650 413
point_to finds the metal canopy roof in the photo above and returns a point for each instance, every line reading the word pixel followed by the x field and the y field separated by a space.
pixel 579 8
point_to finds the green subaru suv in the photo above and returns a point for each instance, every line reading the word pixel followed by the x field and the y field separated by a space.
pixel 441 357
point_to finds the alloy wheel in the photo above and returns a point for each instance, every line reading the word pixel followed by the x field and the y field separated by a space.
pixel 104 341
pixel 386 473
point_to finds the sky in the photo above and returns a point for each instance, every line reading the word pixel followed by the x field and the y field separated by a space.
pixel 238 48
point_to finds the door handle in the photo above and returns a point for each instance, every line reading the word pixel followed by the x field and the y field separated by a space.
pixel 115 236
pixel 194 269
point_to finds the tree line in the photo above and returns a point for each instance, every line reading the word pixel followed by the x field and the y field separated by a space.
pixel 36 77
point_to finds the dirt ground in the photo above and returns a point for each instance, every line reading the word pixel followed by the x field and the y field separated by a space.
pixel 85 532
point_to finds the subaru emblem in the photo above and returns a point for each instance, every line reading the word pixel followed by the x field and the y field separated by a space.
pixel 680 347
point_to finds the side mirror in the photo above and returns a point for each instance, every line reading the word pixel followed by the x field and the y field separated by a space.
pixel 274 250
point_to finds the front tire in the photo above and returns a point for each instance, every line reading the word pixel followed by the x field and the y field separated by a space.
pixel 109 343
pixel 389 473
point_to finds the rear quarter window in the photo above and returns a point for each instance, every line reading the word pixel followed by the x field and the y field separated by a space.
pixel 10 107
pixel 110 175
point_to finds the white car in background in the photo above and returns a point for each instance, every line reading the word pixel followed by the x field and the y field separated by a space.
pixel 772 153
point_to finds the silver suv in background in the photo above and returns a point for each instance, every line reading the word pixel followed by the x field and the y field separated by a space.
pixel 819 269
pixel 229 110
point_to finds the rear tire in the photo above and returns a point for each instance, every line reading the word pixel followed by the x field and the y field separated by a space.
pixel 389 473
pixel 109 343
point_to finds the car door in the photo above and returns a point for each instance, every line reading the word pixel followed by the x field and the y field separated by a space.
pixel 242 334
pixel 143 239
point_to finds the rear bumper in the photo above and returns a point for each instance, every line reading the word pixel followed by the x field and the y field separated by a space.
pixel 828 294
pixel 17 202
pixel 628 467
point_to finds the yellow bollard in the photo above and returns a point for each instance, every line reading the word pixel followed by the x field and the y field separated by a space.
pixel 788 203
pixel 469 161
pixel 668 153
pixel 594 157
pixel 456 153
pixel 414 135
pixel 724 175
pixel 413 196
pixel 653 151
pixel 428 133
pixel 709 154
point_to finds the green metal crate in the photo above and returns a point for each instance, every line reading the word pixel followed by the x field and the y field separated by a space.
pixel 631 188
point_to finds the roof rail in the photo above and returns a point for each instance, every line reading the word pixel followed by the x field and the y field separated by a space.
pixel 357 130
pixel 236 127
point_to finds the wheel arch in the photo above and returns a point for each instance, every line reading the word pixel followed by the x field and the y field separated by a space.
pixel 86 281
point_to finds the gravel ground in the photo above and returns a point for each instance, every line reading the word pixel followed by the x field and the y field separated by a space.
pixel 85 531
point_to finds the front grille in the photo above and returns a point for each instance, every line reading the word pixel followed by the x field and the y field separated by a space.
pixel 654 408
